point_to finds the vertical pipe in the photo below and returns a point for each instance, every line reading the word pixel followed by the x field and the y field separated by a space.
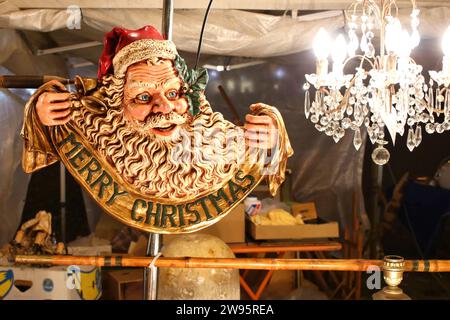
pixel 62 200
pixel 167 20
pixel 155 247
pixel 154 240
pixel 377 181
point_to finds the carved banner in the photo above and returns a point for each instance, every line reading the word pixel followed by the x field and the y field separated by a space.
pixel 146 213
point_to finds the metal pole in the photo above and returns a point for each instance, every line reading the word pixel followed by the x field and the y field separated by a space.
pixel 167 21
pixel 62 201
pixel 377 182
pixel 154 240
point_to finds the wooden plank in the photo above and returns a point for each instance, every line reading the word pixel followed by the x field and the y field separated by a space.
pixel 303 231
pixel 253 248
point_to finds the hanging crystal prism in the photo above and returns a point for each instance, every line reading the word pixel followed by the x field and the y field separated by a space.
pixel 447 102
pixel 353 43
pixel 415 37
pixel 373 137
pixel 437 105
pixel 418 136
pixel 307 104
pixel 410 143
pixel 357 140
pixel 370 52
pixel 364 43
pixel 430 98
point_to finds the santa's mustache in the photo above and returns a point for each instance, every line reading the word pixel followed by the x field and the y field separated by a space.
pixel 159 119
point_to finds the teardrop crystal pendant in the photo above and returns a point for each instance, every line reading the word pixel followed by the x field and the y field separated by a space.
pixel 430 100
pixel 363 44
pixel 410 143
pixel 370 52
pixel 357 140
pixel 307 104
pixel 353 43
pixel 447 104
pixel 437 101
pixel 418 136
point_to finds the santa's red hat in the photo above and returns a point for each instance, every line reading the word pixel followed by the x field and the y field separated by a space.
pixel 123 47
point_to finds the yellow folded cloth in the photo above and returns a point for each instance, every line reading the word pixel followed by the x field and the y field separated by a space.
pixel 277 217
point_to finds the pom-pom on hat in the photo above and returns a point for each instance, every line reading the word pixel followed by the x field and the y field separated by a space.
pixel 124 47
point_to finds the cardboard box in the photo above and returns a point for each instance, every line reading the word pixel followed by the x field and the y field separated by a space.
pixel 307 210
pixel 123 284
pixel 53 283
pixel 313 228
pixel 231 229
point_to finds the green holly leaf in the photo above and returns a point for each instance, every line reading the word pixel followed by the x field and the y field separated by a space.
pixel 202 79
pixel 195 82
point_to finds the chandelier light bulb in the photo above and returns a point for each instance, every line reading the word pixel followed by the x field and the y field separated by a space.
pixel 404 44
pixel 321 45
pixel 339 49
pixel 446 50
pixel 446 42
pixel 415 39
pixel 392 35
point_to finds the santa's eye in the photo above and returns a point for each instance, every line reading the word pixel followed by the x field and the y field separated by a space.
pixel 172 94
pixel 143 98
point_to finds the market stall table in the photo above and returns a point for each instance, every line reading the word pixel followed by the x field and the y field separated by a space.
pixel 280 248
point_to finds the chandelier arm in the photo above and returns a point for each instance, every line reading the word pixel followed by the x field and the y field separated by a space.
pixel 376 8
pixel 393 3
pixel 443 89
pixel 427 106
pixel 325 90
pixel 344 102
pixel 353 7
pixel 412 60
pixel 362 59
pixel 356 4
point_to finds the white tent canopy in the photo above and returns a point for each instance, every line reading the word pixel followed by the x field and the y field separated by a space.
pixel 218 4
pixel 229 32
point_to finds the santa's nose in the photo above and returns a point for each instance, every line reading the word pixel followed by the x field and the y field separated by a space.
pixel 161 105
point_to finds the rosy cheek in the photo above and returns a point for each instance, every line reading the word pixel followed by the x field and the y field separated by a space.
pixel 181 106
pixel 136 111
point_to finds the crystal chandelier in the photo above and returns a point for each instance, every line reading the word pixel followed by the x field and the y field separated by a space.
pixel 387 91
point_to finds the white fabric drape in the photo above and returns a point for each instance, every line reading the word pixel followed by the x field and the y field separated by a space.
pixel 14 182
pixel 229 32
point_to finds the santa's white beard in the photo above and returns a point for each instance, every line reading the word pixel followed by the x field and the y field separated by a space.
pixel 197 157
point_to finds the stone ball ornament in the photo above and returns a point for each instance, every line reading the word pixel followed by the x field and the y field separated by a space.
pixel 198 283
pixel 145 143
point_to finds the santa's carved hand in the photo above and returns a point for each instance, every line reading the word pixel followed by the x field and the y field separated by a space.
pixel 260 131
pixel 53 108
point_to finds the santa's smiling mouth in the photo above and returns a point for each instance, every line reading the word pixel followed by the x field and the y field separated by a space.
pixel 165 130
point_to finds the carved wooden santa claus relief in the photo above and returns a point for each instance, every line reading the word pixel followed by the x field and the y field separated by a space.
pixel 145 143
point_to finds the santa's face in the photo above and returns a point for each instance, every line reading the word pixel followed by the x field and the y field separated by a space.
pixel 152 99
